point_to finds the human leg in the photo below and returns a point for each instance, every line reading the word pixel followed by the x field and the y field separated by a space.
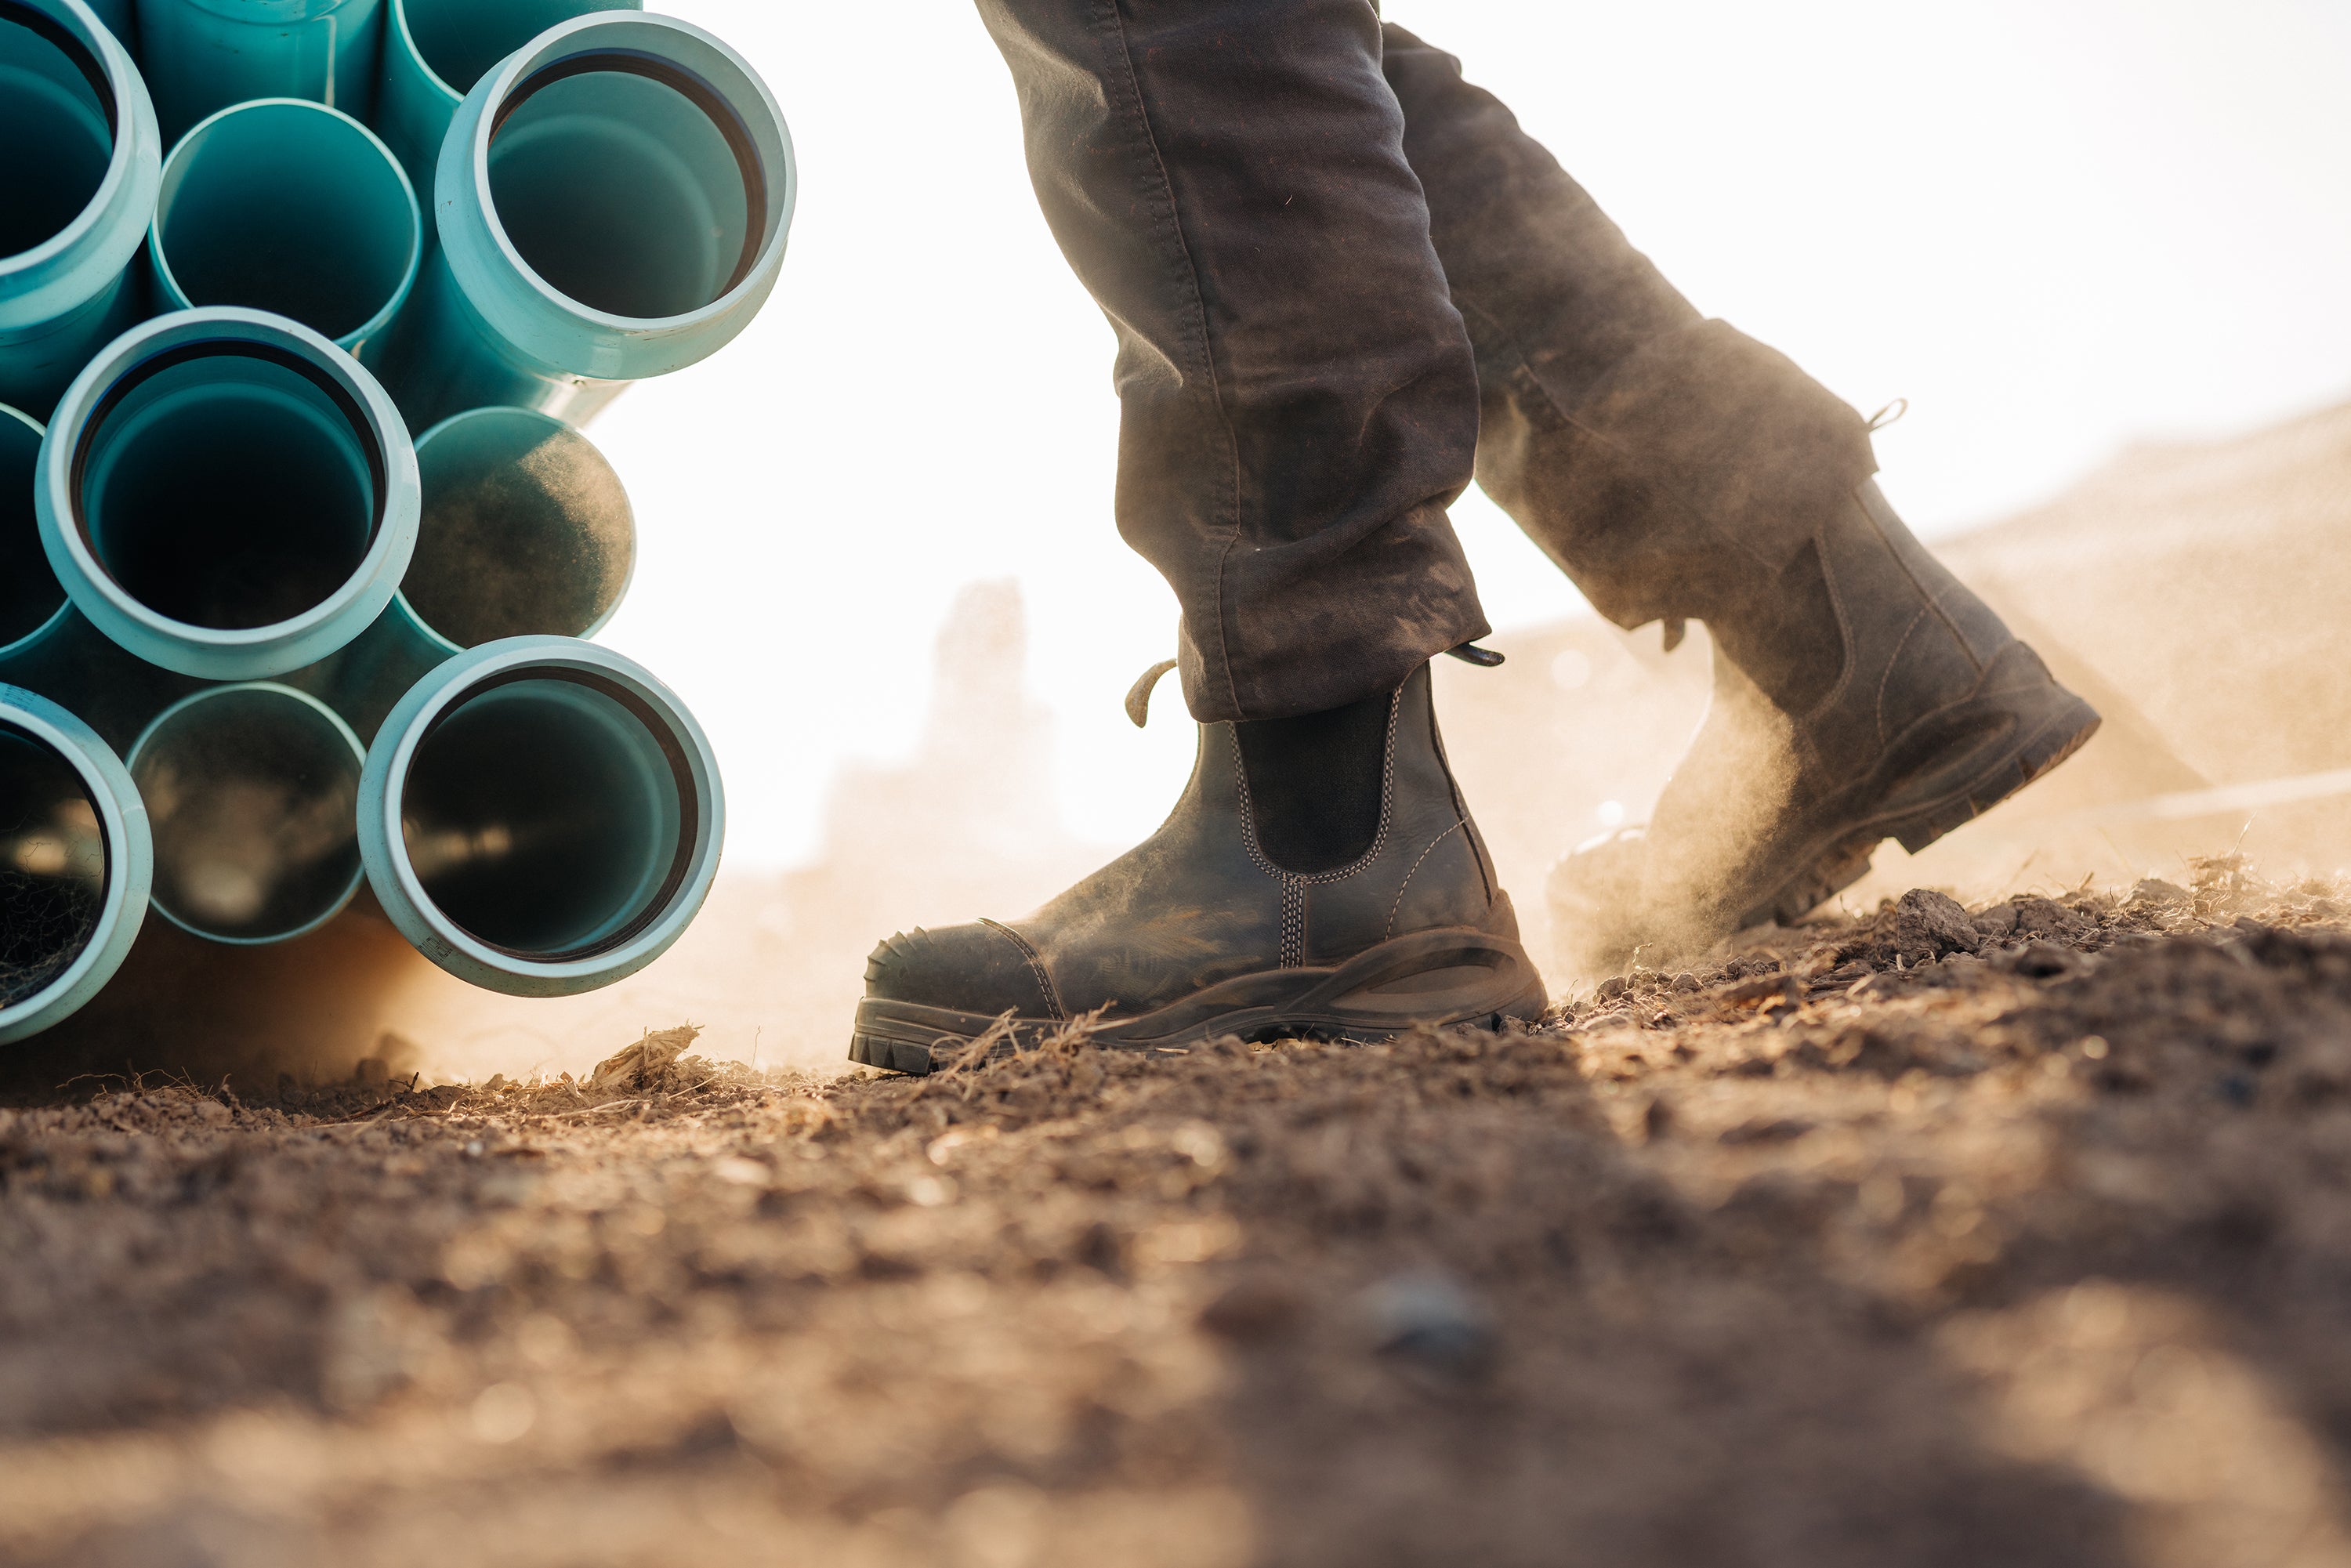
pixel 1679 470
pixel 1298 406
pixel 1298 400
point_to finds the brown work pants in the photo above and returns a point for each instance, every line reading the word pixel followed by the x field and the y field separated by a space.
pixel 1321 250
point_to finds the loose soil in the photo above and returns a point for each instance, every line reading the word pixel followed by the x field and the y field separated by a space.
pixel 2017 1236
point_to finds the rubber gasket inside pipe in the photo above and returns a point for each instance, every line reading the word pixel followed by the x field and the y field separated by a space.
pixel 226 494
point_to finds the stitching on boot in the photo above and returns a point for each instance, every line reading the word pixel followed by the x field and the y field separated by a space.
pixel 1886 679
pixel 1035 968
pixel 1431 849
pixel 1293 923
pixel 1967 649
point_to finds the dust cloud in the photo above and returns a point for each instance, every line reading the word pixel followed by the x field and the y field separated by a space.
pixel 2191 592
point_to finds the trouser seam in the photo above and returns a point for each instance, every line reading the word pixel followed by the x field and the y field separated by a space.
pixel 1198 331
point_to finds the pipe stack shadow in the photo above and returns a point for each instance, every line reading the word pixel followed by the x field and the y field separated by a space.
pixel 271 667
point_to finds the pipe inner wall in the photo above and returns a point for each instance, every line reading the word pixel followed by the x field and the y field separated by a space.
pixel 56 121
pixel 541 817
pixel 29 592
pixel 227 490
pixel 545 817
pixel 628 189
pixel 525 530
pixel 289 206
pixel 52 866
pixel 226 494
pixel 252 793
pixel 74 864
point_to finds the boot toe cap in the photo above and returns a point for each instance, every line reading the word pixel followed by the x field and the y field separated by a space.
pixel 981 968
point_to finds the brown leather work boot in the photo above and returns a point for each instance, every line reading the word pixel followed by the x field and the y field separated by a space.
pixel 1320 876
pixel 1861 691
pixel 1867 696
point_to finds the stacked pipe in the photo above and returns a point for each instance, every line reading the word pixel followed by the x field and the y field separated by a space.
pixel 300 304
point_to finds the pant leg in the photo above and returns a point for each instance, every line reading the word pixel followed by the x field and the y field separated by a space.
pixel 1668 463
pixel 1298 402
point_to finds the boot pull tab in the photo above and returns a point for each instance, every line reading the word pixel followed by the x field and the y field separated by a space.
pixel 1890 414
pixel 1138 695
pixel 1470 653
pixel 1675 630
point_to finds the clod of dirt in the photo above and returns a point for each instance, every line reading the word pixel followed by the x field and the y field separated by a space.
pixel 1919 927
pixel 646 1064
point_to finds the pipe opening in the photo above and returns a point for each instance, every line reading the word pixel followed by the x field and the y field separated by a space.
pixel 53 866
pixel 29 591
pixel 290 208
pixel 525 529
pixel 460 40
pixel 550 815
pixel 228 485
pixel 628 185
pixel 253 796
pixel 56 115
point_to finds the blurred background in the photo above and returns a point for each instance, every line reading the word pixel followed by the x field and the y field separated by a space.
pixel 2072 235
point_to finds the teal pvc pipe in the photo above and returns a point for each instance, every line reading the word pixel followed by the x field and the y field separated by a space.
pixel 252 793
pixel 612 203
pixel 525 530
pixel 84 162
pixel 76 863
pixel 289 206
pixel 433 53
pixel 205 55
pixel 541 817
pixel 73 663
pixel 30 594
pixel 46 646
pixel 226 494
pixel 122 19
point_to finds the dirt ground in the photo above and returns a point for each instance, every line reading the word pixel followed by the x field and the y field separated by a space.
pixel 2020 1236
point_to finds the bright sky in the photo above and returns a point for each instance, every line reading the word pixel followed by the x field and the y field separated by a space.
pixel 2055 226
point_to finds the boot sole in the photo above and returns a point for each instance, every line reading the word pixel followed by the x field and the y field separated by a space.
pixel 1452 975
pixel 1950 768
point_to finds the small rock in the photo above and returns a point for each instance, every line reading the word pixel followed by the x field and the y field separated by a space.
pixel 1766 1130
pixel 1612 987
pixel 2044 961
pixel 1430 1322
pixel 1684 982
pixel 1254 1310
